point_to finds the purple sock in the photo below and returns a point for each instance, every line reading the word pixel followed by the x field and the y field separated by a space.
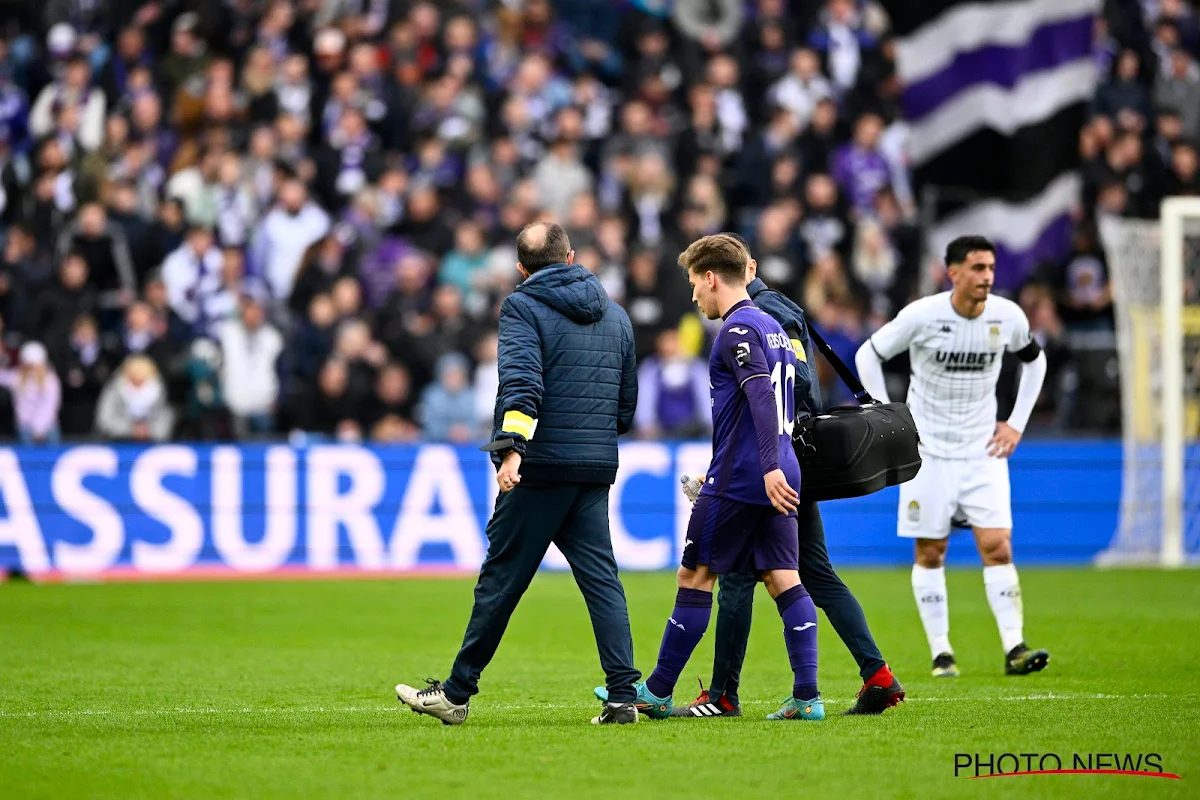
pixel 684 630
pixel 800 635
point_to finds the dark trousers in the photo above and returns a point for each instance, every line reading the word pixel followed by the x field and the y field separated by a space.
pixel 736 599
pixel 573 516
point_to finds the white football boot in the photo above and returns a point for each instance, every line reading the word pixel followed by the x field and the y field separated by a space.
pixel 433 701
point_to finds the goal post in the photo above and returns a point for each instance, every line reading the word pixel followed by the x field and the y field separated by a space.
pixel 1175 211
pixel 1155 274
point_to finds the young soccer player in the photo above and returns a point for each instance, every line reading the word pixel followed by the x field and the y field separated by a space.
pixel 746 512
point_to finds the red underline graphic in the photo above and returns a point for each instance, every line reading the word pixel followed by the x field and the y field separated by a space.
pixel 1082 772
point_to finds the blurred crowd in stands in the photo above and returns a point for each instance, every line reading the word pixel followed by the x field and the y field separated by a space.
pixel 267 218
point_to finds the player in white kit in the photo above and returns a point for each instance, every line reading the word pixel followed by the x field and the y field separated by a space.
pixel 956 341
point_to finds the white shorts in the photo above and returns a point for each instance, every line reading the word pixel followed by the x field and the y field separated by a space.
pixel 978 487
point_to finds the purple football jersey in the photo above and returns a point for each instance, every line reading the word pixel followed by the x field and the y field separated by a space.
pixel 752 368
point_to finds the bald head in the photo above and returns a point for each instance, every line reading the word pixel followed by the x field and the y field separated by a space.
pixel 541 244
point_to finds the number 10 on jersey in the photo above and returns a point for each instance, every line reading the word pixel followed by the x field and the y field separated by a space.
pixel 783 383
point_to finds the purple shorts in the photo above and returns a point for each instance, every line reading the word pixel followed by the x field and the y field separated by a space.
pixel 727 536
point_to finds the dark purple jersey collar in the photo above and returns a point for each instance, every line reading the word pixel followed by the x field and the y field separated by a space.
pixel 737 305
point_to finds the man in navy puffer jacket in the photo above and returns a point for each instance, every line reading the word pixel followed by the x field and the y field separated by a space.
pixel 568 388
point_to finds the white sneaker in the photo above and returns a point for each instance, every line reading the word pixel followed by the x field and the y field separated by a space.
pixel 433 701
pixel 616 714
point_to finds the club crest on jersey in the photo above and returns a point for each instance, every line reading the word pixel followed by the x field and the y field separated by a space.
pixel 994 336
pixel 741 351
pixel 914 511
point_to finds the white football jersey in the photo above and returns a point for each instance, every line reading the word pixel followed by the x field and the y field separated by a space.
pixel 955 366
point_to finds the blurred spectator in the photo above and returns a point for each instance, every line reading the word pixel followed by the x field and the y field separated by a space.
pixel 823 136
pixel 779 261
pixel 673 395
pixel 74 91
pixel 284 235
pixel 875 265
pixel 560 176
pixel 859 168
pixel 250 348
pixel 143 333
pixel 323 263
pixel 447 409
pixel 652 303
pixel 329 408
pixel 1126 91
pixel 826 284
pixel 713 26
pixel 468 257
pixel 86 366
pixel 204 415
pixel 187 57
pixel 760 155
pixel 37 395
pixel 724 76
pixel 133 406
pixel 391 411
pixel 486 382
pixel 424 226
pixel 352 160
pixel 1047 330
pixel 843 40
pixel 825 227
pixel 62 302
pixel 1184 178
pixel 223 303
pixel 650 195
pixel 233 203
pixel 1178 89
pixel 1078 288
pixel 192 275
pixel 20 269
pixel 802 88
pixel 103 246
pixel 353 346
pixel 313 339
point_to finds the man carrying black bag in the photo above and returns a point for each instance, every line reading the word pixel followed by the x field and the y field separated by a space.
pixel 881 689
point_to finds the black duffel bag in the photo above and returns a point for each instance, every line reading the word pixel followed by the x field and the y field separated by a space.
pixel 850 451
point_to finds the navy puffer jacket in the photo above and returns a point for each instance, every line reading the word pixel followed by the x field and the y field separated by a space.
pixel 568 376
pixel 791 318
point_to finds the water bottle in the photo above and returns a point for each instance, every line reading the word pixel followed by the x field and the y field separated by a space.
pixel 691 487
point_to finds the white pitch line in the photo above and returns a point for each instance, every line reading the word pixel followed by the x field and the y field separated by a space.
pixel 168 712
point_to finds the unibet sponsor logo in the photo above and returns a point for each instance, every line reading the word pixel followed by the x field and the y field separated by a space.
pixel 966 362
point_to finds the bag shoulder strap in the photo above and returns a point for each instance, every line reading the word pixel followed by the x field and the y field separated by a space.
pixel 852 382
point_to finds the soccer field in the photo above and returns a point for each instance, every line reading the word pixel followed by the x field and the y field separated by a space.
pixel 285 689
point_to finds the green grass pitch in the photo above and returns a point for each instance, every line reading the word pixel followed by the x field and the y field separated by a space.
pixel 285 689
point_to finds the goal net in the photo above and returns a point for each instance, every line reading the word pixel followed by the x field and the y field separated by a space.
pixel 1155 269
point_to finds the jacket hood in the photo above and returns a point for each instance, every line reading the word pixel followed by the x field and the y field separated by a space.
pixel 569 289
